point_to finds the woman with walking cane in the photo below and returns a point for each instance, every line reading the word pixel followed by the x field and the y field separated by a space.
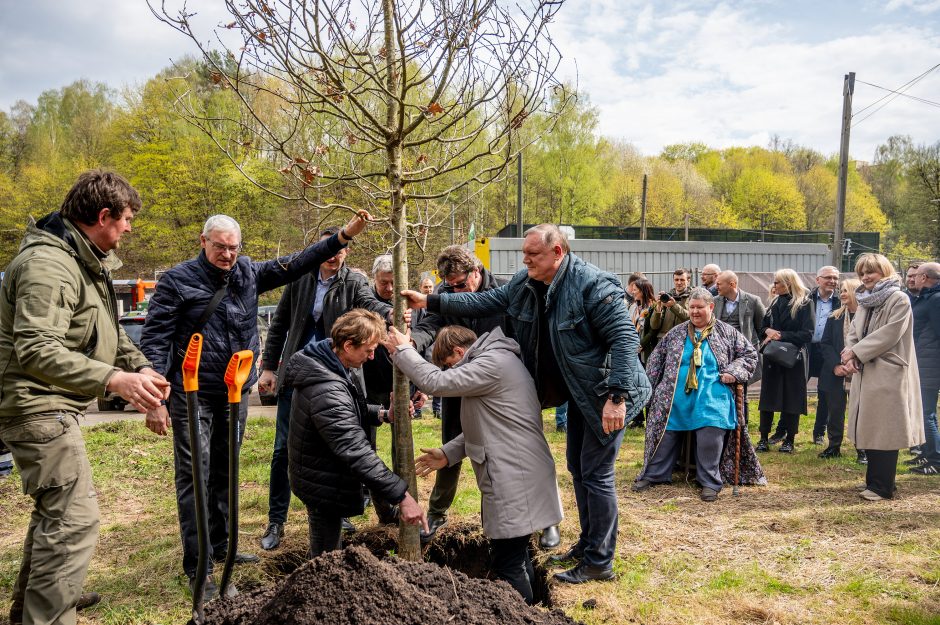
pixel 693 371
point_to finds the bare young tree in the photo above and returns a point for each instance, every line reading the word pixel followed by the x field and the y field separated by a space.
pixel 393 106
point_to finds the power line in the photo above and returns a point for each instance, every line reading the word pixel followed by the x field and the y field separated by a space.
pixel 906 85
pixel 890 97
pixel 913 97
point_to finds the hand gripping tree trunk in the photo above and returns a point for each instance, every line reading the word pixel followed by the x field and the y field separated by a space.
pixel 407 108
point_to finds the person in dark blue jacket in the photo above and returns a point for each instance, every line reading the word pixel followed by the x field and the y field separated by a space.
pixel 182 295
pixel 925 307
pixel 578 343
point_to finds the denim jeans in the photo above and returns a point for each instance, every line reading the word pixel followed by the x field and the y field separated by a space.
pixel 213 431
pixel 561 415
pixel 931 449
pixel 591 464
pixel 279 489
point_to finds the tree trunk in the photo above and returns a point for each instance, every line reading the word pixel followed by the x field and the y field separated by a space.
pixel 409 544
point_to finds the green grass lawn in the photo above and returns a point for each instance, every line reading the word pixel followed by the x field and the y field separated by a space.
pixel 804 549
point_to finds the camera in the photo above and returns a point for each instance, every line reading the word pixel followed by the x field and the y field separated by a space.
pixel 665 297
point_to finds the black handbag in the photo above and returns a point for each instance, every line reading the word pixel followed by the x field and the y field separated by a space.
pixel 781 353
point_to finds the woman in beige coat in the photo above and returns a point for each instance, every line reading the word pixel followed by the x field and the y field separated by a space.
pixel 502 435
pixel 885 413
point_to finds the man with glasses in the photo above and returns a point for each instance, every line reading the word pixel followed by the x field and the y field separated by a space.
pixel 910 279
pixel 825 300
pixel 215 294
pixel 710 278
pixel 925 309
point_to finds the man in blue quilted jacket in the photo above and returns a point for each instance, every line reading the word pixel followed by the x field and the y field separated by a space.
pixel 578 343
pixel 182 295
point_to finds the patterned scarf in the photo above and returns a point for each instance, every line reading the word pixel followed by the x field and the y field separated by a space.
pixel 885 288
pixel 691 380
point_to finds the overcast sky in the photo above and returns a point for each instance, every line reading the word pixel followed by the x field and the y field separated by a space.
pixel 733 73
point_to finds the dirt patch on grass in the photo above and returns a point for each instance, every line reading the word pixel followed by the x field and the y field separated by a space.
pixel 458 546
pixel 353 587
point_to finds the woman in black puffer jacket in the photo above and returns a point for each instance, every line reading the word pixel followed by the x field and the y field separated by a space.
pixel 329 456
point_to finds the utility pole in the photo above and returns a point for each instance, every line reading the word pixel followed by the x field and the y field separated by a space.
pixel 686 226
pixel 643 211
pixel 519 195
pixel 848 89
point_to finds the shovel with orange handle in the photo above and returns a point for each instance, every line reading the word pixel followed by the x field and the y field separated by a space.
pixel 191 386
pixel 239 368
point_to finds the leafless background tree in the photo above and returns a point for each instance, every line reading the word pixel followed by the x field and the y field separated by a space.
pixel 405 108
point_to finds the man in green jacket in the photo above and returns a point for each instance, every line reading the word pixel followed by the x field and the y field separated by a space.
pixel 60 347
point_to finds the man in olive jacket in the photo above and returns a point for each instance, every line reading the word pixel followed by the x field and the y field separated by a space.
pixel 60 347
pixel 579 345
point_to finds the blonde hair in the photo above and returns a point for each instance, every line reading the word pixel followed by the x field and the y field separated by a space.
pixel 874 262
pixel 795 288
pixel 850 285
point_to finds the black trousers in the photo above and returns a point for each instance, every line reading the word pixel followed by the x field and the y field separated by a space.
pixel 446 479
pixel 882 469
pixel 513 563
pixel 213 432
pixel 788 426
pixel 326 532
pixel 823 413
pixel 835 427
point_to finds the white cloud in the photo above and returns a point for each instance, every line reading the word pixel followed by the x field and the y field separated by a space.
pixel 729 77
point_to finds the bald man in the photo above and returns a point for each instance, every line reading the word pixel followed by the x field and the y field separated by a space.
pixel 710 278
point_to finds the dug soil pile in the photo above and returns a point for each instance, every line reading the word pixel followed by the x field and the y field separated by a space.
pixel 353 587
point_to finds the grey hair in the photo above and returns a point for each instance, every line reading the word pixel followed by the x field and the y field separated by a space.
pixel 382 264
pixel 551 235
pixel 820 271
pixel 221 223
pixel 702 294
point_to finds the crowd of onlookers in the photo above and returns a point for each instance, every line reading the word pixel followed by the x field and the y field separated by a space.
pixel 871 342
pixel 561 333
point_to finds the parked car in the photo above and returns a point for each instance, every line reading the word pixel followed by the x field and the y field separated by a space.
pixel 133 324
pixel 265 313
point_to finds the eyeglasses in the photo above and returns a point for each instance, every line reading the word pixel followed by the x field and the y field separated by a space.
pixel 458 285
pixel 219 247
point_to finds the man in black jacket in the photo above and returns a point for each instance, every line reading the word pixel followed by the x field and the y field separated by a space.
pixel 182 296
pixel 306 312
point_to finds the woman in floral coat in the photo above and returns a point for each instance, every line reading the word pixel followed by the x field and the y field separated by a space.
pixel 693 370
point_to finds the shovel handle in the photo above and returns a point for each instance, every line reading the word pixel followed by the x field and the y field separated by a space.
pixel 236 374
pixel 191 363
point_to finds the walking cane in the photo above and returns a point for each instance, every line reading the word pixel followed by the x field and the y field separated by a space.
pixel 239 368
pixel 191 386
pixel 739 404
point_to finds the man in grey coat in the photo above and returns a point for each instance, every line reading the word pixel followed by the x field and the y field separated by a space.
pixel 501 417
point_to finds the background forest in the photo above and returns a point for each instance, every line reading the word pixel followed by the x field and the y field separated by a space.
pixel 571 175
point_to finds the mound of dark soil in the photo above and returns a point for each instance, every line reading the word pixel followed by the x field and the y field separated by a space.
pixel 353 587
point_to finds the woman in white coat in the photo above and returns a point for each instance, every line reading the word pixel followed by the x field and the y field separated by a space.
pixel 885 412
pixel 502 435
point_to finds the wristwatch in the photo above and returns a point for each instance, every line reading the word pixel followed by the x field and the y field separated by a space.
pixel 616 398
